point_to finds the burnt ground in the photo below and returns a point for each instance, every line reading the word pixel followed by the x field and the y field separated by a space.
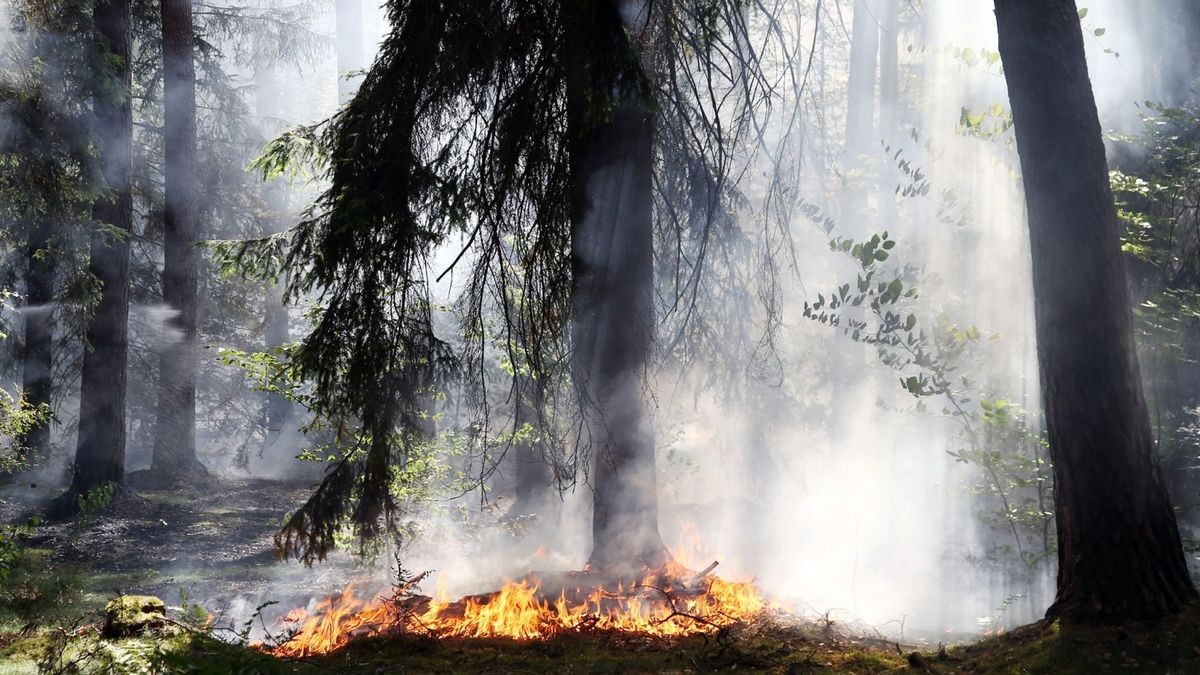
pixel 212 546
pixel 215 545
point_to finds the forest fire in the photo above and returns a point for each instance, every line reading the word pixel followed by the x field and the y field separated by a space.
pixel 667 602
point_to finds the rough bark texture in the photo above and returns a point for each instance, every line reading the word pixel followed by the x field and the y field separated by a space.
pixel 37 357
pixel 1119 547
pixel 612 298
pixel 175 433
pixel 100 453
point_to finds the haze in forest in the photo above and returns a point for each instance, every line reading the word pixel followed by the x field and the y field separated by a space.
pixel 815 464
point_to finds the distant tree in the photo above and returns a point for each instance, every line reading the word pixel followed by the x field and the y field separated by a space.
pixel 45 180
pixel 100 451
pixel 1119 550
pixel 864 68
pixel 534 475
pixel 348 19
pixel 174 458
pixel 889 101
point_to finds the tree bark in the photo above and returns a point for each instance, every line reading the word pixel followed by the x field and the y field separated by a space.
pixel 175 433
pixel 1119 551
pixel 612 263
pixel 100 451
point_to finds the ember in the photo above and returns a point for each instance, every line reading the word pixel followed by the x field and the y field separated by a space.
pixel 667 602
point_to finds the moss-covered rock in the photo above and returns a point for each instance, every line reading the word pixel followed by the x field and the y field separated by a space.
pixel 130 615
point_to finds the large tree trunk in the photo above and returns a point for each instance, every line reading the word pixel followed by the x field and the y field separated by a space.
pixel 612 295
pixel 100 452
pixel 37 358
pixel 1119 552
pixel 175 433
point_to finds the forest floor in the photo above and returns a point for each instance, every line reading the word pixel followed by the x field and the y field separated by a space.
pixel 213 548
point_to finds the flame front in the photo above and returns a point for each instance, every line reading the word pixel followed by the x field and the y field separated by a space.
pixel 521 611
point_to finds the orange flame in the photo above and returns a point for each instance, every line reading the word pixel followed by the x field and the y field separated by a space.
pixel 665 603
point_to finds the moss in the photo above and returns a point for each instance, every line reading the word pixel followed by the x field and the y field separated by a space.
pixel 869 662
pixel 1170 645
pixel 129 615
pixel 24 649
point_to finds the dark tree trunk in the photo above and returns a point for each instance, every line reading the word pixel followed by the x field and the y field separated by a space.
pixel 348 17
pixel 1119 549
pixel 612 294
pixel 100 453
pixel 175 434
pixel 37 358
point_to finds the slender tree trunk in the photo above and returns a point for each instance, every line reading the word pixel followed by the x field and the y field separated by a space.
pixel 278 331
pixel 277 322
pixel 847 358
pixel 1119 551
pixel 100 453
pixel 348 16
pixel 612 295
pixel 889 103
pixel 175 433
pixel 37 358
pixel 864 54
pixel 533 471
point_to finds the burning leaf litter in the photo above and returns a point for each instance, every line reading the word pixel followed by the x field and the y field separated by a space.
pixel 669 602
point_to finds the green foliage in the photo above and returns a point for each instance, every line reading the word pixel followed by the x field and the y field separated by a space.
pixel 13 539
pixel 95 500
pixel 17 419
pixel 882 308
pixel 463 131
pixel 1156 191
pixel 975 123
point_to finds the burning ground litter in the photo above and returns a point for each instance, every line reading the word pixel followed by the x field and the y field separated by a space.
pixel 668 602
